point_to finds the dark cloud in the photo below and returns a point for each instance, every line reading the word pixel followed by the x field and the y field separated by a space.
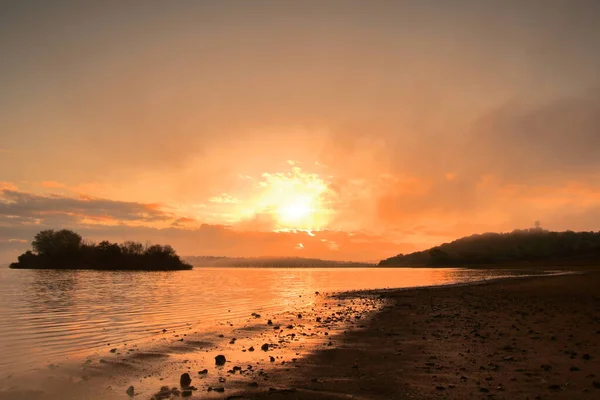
pixel 517 163
pixel 21 207
pixel 558 140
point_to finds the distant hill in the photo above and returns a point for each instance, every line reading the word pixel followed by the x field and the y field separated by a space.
pixel 270 262
pixel 520 247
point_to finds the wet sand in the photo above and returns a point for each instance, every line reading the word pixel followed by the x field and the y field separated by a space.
pixel 256 347
pixel 527 338
pixel 535 338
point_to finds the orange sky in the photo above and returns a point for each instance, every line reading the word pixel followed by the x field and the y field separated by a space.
pixel 340 129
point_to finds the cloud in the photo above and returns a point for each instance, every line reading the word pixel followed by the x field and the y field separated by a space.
pixel 412 177
pixel 223 198
pixel 259 221
pixel 8 186
pixel 53 185
pixel 422 130
pixel 554 141
pixel 59 209
pixel 183 222
pixel 24 214
pixel 224 241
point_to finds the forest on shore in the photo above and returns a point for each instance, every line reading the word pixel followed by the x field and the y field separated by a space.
pixel 520 247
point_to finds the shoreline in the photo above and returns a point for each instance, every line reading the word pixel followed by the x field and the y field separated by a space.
pixel 159 360
pixel 373 292
pixel 531 337
pixel 314 356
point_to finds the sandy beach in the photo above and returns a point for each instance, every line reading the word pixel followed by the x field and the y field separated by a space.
pixel 527 338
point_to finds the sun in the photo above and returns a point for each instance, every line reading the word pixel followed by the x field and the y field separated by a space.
pixel 292 200
pixel 296 211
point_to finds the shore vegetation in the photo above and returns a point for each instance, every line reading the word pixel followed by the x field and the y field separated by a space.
pixel 521 247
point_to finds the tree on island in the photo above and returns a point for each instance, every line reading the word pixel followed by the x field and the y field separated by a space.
pixel 65 249
pixel 51 243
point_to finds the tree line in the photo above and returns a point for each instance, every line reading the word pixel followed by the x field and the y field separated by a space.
pixel 529 246
pixel 65 249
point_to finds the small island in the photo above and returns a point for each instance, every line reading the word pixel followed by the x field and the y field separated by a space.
pixel 65 249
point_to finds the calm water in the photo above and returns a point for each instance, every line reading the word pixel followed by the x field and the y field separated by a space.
pixel 49 316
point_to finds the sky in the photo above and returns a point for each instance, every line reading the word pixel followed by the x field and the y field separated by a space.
pixel 347 130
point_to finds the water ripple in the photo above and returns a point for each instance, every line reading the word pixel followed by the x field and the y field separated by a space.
pixel 46 316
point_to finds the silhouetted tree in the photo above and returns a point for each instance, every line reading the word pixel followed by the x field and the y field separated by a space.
pixel 132 248
pixel 26 257
pixel 65 249
pixel 438 256
pixel 51 243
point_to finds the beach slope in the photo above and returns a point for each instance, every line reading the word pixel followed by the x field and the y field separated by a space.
pixel 535 337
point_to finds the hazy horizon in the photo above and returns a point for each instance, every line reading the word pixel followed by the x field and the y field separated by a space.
pixel 340 130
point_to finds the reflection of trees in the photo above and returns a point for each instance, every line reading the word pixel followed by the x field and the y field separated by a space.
pixel 57 299
pixel 69 290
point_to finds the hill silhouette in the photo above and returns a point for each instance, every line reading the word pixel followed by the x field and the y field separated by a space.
pixel 65 249
pixel 520 247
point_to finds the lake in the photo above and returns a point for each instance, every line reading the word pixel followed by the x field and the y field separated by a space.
pixel 49 316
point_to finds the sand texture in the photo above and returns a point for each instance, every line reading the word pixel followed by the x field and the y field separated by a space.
pixel 529 338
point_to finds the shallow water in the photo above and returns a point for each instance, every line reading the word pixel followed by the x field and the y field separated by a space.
pixel 47 317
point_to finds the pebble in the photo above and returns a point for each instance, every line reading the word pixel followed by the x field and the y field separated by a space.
pixel 220 359
pixel 185 380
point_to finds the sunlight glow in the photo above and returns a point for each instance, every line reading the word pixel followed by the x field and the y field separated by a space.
pixel 295 199
pixel 295 212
